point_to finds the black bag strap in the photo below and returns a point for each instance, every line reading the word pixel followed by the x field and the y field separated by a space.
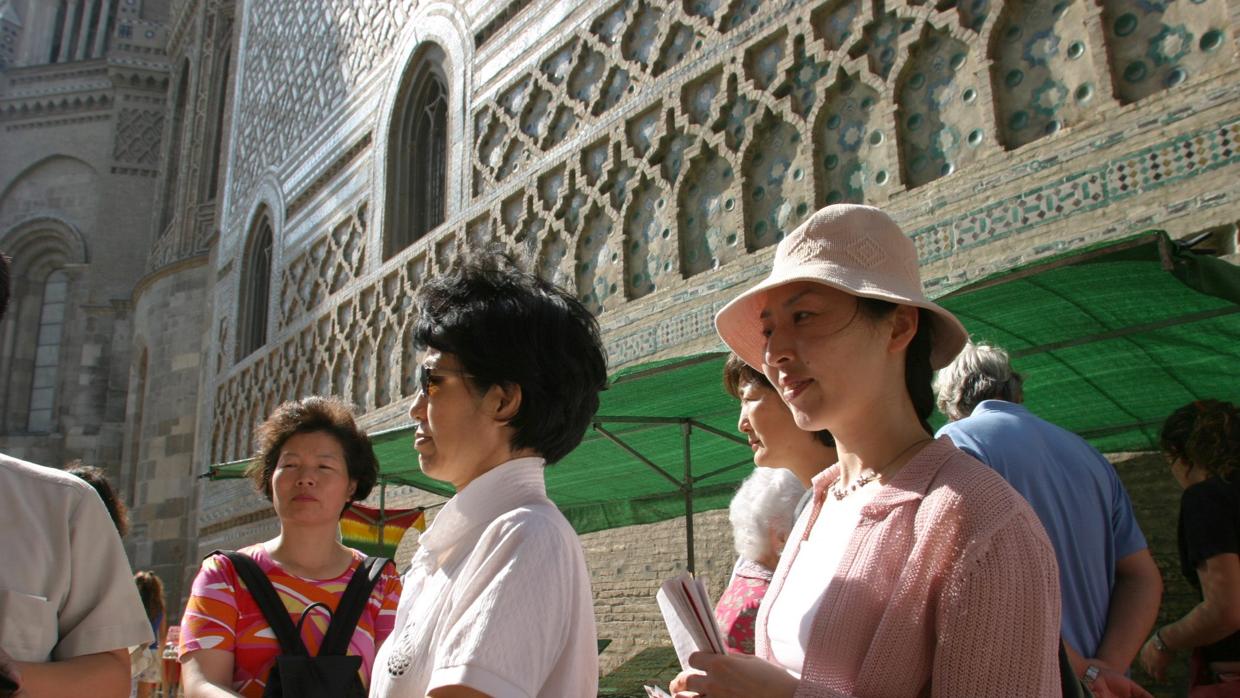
pixel 264 594
pixel 352 602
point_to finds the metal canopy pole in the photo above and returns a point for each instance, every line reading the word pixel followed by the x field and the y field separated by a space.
pixel 382 511
pixel 718 432
pixel 633 452
pixel 686 429
pixel 685 486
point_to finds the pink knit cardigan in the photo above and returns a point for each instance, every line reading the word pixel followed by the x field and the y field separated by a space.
pixel 948 587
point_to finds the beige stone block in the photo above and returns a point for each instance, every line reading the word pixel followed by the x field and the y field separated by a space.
pixel 181 362
pixel 91 354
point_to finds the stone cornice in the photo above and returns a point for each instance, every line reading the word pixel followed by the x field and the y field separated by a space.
pixel 43 93
pixel 40 74
pixel 54 117
pixel 43 107
pixel 167 270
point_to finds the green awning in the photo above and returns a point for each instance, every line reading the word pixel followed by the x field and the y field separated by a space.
pixel 1113 338
pixel 1110 339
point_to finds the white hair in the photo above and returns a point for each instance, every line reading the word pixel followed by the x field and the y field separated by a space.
pixel 979 372
pixel 766 501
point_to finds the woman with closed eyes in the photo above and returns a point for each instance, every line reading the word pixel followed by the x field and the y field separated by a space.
pixel 312 462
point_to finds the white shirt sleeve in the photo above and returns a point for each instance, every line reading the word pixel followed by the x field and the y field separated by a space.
pixel 511 609
pixel 102 610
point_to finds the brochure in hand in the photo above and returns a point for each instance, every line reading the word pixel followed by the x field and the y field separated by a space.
pixel 690 617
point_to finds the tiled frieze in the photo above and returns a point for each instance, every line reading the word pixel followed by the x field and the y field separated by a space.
pixel 1141 171
pixel 643 158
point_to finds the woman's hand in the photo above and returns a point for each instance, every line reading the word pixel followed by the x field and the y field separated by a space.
pixel 733 676
pixel 1155 661
pixel 1113 684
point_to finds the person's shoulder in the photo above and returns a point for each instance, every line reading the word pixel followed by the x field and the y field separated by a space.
pixel 952 429
pixel 389 567
pixel 972 488
pixel 994 417
pixel 534 525
pixel 219 560
pixel 973 505
pixel 534 518
pixel 32 475
pixel 959 471
pixel 1212 491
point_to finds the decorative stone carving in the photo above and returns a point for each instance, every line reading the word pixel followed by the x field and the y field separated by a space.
pixel 1156 45
pixel 137 137
pixel 331 264
pixel 302 61
pixel 342 340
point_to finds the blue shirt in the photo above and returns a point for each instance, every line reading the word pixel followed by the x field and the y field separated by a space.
pixel 1077 495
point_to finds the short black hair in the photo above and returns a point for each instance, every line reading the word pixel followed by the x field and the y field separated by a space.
pixel 507 326
pixel 737 374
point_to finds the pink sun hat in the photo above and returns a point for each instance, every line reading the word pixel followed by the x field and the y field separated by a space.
pixel 856 249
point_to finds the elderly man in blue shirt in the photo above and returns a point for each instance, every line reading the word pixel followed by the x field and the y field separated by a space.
pixel 1111 586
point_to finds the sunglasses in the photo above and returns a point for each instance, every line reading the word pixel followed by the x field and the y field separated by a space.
pixel 426 373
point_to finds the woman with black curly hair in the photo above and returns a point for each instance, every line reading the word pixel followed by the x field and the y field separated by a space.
pixel 1202 442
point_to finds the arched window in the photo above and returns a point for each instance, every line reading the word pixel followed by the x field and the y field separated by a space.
pixel 417 183
pixel 47 352
pixel 48 255
pixel 217 145
pixel 220 99
pixel 173 163
pixel 255 289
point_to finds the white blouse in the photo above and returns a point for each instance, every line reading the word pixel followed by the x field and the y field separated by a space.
pixel 794 609
pixel 497 598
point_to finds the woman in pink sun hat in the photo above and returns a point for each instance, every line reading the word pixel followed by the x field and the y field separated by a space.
pixel 916 571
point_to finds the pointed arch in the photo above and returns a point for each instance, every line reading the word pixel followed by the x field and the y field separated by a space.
pixel 172 160
pixel 47 255
pixel 418 152
pixel 255 293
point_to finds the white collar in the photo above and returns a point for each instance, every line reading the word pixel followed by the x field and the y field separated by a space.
pixel 501 489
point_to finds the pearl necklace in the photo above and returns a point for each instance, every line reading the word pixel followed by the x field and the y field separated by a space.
pixel 841 492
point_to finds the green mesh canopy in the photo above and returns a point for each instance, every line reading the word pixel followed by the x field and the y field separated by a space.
pixel 1110 339
pixel 1113 338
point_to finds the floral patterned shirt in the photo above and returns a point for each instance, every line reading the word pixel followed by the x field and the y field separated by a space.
pixel 738 607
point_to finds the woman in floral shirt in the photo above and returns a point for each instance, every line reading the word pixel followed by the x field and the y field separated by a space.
pixel 762 516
